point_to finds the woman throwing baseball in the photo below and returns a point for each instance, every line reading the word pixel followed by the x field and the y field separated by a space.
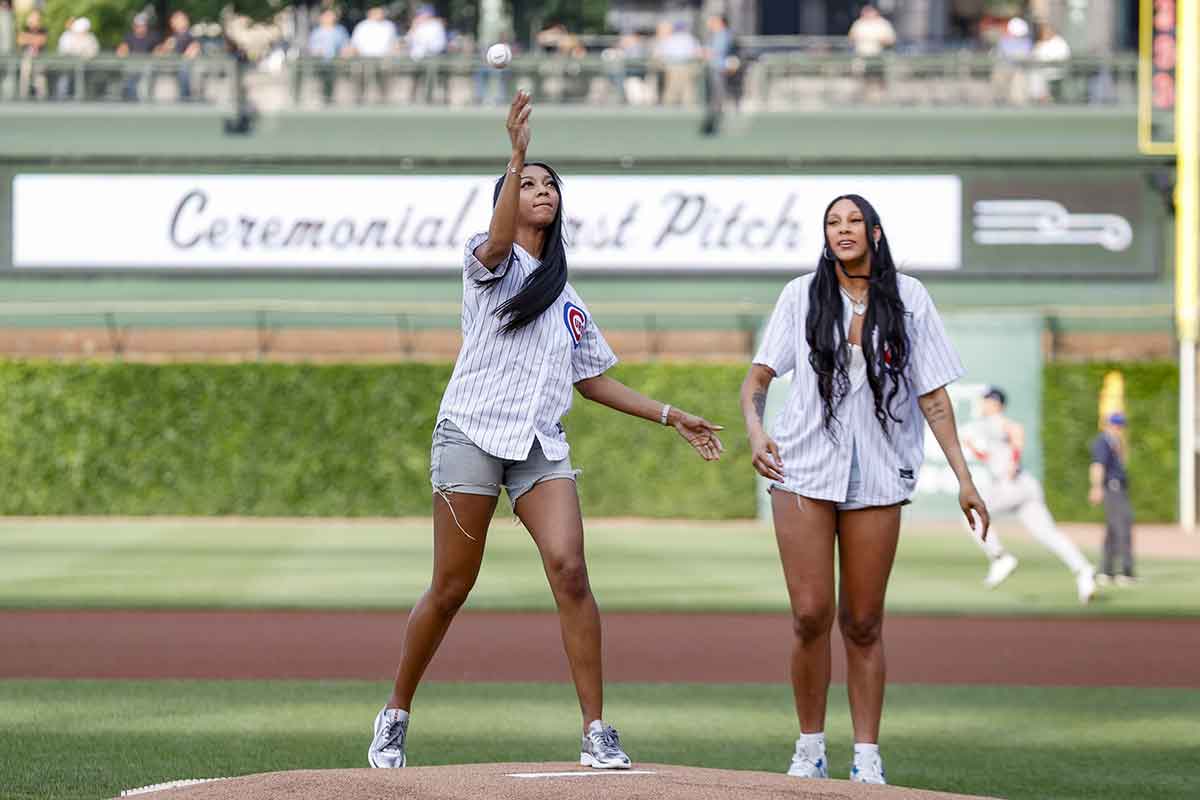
pixel 870 357
pixel 528 340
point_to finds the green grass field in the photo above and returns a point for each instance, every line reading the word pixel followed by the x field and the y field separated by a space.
pixel 92 739
pixel 645 566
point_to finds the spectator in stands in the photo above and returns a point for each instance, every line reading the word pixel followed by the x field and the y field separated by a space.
pixel 140 41
pixel 1012 52
pixel 717 54
pixel 426 38
pixel 76 41
pixel 181 44
pixel 426 35
pixel 554 38
pixel 374 40
pixel 31 42
pixel 678 53
pixel 629 69
pixel 8 34
pixel 1044 82
pixel 328 41
pixel 869 36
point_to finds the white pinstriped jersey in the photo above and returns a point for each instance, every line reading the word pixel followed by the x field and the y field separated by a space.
pixel 509 389
pixel 816 463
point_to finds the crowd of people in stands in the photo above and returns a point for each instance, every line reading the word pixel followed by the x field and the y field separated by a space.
pixel 669 65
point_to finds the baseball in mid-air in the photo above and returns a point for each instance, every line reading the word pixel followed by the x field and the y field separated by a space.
pixel 499 55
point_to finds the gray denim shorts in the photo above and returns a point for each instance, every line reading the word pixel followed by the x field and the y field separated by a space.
pixel 456 464
pixel 853 491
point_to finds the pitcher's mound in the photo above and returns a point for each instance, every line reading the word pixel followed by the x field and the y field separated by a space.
pixel 534 782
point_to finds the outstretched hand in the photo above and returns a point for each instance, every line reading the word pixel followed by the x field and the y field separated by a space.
pixel 973 507
pixel 518 121
pixel 700 434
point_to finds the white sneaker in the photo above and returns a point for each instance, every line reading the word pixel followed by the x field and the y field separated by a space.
pixel 1125 581
pixel 601 748
pixel 387 748
pixel 809 761
pixel 1085 584
pixel 1000 569
pixel 867 768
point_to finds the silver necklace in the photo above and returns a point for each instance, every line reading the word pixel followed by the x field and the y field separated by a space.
pixel 856 306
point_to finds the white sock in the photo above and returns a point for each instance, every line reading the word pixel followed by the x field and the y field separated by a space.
pixel 597 724
pixel 863 748
pixel 397 713
pixel 811 739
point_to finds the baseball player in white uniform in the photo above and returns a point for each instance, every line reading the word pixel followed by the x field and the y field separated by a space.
pixel 998 442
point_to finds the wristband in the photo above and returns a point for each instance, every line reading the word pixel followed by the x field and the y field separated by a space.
pixel 666 411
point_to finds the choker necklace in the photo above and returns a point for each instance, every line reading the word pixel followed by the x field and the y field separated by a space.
pixel 857 307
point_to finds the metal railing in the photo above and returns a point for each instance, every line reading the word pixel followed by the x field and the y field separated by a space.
pixel 107 78
pixel 772 81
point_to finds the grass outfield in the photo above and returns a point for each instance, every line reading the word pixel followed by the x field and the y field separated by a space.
pixel 92 739
pixel 660 567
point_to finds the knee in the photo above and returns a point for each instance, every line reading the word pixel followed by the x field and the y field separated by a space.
pixel 810 624
pixel 569 579
pixel 861 630
pixel 448 595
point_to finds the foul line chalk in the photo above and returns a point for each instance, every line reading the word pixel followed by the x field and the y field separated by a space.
pixel 597 773
pixel 158 787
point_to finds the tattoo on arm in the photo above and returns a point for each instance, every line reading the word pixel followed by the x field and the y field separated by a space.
pixel 759 399
pixel 936 410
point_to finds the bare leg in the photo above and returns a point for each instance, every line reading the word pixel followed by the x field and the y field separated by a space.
pixel 456 561
pixel 866 549
pixel 550 511
pixel 804 531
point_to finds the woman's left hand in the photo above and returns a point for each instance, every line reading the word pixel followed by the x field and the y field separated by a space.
pixel 700 434
pixel 970 501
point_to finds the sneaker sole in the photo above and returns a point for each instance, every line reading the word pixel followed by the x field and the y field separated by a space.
pixel 588 760
pixel 808 777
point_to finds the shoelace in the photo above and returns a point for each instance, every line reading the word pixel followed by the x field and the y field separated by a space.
pixel 606 740
pixel 393 734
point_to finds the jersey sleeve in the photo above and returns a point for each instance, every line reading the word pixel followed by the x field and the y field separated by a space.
pixel 934 361
pixel 777 349
pixel 592 356
pixel 473 269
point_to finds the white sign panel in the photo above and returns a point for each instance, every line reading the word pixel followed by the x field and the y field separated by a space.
pixel 420 223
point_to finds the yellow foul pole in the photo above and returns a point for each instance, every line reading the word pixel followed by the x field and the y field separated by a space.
pixel 1187 244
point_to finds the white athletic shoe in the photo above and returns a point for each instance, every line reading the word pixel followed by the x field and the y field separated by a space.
pixel 809 761
pixel 1085 584
pixel 387 748
pixel 1000 569
pixel 601 748
pixel 867 768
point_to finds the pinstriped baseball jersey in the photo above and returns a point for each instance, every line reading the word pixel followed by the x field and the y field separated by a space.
pixel 509 389
pixel 816 463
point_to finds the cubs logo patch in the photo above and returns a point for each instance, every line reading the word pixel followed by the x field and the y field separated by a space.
pixel 576 322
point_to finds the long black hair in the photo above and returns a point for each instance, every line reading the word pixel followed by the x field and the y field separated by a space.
pixel 883 325
pixel 543 286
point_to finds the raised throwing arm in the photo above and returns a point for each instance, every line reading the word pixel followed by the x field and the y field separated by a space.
pixel 503 229
pixel 939 413
pixel 697 431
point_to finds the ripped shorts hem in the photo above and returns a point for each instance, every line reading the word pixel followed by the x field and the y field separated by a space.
pixel 514 496
pixel 492 489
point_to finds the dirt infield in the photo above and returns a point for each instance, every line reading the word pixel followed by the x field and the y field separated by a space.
pixel 638 647
pixel 536 782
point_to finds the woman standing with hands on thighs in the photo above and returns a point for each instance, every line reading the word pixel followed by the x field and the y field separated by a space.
pixel 528 340
pixel 870 358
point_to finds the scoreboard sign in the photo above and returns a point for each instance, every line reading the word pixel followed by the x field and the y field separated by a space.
pixel 1156 77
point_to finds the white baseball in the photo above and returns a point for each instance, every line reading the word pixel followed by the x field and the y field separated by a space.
pixel 498 55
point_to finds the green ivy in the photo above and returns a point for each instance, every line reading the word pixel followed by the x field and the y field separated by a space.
pixel 1070 423
pixel 346 440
